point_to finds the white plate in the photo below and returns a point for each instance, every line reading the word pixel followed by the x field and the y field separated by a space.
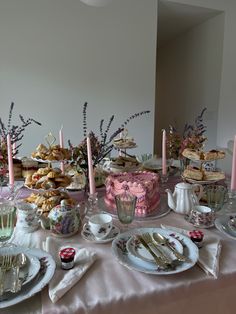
pixel 222 224
pixel 87 234
pixel 27 273
pixel 200 181
pixel 138 251
pixel 119 249
pixel 47 269
pixel 161 210
pixel 43 190
pixel 47 161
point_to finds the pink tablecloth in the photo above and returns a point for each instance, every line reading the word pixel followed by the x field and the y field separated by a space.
pixel 109 287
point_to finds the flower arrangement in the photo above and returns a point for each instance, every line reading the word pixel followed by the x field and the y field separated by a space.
pixel 192 137
pixel 16 131
pixel 100 146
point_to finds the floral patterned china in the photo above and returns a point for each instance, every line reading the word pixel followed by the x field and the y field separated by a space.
pixel 224 225
pixel 46 271
pixel 121 248
pixel 27 272
pixel 140 253
pixel 88 235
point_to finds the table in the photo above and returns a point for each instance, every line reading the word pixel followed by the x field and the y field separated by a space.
pixel 109 287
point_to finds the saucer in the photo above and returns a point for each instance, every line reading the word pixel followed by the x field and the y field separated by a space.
pixel 87 234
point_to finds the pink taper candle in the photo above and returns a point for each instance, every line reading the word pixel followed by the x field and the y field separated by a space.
pixel 61 140
pixel 92 190
pixel 164 152
pixel 233 173
pixel 10 160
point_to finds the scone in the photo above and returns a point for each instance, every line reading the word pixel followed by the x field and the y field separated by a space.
pixel 213 175
pixel 214 154
pixel 193 173
pixel 192 154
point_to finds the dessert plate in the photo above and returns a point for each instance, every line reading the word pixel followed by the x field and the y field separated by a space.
pixel 27 273
pixel 141 254
pixel 121 253
pixel 47 269
pixel 161 210
pixel 222 224
pixel 87 234
pixel 199 181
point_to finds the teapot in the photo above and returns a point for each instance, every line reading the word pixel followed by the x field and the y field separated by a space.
pixel 63 220
pixel 184 197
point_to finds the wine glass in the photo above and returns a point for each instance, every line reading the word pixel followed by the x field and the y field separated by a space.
pixel 125 205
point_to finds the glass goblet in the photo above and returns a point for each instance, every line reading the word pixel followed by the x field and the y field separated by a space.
pixel 7 221
pixel 125 206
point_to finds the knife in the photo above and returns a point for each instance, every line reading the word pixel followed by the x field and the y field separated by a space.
pixel 157 259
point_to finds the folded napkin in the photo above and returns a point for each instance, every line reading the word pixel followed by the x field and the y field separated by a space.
pixel 64 280
pixel 209 253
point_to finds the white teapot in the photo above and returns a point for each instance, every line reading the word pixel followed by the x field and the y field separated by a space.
pixel 184 197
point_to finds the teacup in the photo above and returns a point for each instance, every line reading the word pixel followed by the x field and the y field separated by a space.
pixel 202 216
pixel 27 217
pixel 100 225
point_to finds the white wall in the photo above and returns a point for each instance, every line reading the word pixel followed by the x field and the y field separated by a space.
pixel 57 54
pixel 189 76
pixel 226 128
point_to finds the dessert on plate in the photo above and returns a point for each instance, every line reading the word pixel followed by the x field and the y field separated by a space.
pixel 122 164
pixel 142 184
pixel 48 200
pixel 195 154
pixel 53 153
pixel 47 178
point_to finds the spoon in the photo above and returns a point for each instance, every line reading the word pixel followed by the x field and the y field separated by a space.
pixel 18 262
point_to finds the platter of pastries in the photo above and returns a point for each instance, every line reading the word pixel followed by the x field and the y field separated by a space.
pixel 121 164
pixel 196 175
pixel 48 200
pixel 53 153
pixel 198 155
pixel 47 179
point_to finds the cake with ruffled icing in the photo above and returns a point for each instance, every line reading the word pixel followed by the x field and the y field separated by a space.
pixel 142 184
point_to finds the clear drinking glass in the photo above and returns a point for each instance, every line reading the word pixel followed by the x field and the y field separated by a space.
pixel 7 220
pixel 216 196
pixel 125 205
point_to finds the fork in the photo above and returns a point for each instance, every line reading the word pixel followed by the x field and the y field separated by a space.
pixel 159 238
pixel 153 246
pixel 6 265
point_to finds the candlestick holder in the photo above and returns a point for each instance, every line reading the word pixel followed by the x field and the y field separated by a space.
pixel 164 179
pixel 92 205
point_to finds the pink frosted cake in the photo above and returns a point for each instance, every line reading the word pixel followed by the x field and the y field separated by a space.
pixel 142 184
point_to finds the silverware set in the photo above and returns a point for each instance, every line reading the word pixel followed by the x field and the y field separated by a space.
pixel 153 242
pixel 10 266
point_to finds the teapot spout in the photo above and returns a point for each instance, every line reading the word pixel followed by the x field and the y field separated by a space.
pixel 45 221
pixel 170 199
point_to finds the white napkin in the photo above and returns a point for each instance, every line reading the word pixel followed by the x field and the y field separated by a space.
pixel 64 280
pixel 209 253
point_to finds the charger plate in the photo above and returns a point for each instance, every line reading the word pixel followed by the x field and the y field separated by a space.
pixel 161 210
pixel 45 274
pixel 124 257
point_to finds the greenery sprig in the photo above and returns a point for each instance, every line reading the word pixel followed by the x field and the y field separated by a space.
pixel 16 131
pixel 101 147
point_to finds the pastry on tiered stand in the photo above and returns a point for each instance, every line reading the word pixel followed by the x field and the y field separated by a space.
pixel 48 200
pixel 192 173
pixel 122 164
pixel 53 153
pixel 47 178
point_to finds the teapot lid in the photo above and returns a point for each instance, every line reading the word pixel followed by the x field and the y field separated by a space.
pixel 183 185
